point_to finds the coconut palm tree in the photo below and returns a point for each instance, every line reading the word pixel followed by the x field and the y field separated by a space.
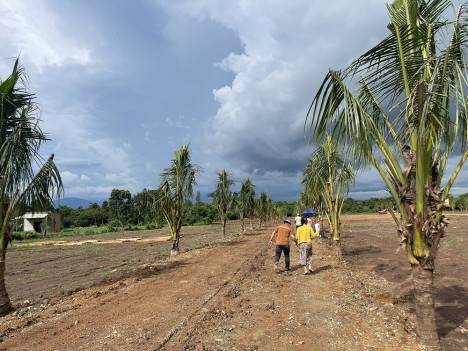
pixel 20 141
pixel 402 107
pixel 176 185
pixel 246 202
pixel 261 208
pixel 223 196
pixel 329 176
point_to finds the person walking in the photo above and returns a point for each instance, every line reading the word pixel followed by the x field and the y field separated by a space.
pixel 298 220
pixel 317 228
pixel 284 232
pixel 309 221
pixel 304 237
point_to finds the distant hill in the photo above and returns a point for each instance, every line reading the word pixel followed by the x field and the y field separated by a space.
pixel 73 202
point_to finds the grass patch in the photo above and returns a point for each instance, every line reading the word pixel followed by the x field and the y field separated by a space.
pixel 454 242
pixel 165 250
pixel 355 224
pixel 67 254
pixel 105 275
pixel 193 246
pixel 97 247
pixel 38 249
pixel 384 236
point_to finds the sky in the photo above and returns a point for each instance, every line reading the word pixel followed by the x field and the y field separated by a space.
pixel 123 84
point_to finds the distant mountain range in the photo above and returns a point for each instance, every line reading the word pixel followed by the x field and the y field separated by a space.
pixel 75 202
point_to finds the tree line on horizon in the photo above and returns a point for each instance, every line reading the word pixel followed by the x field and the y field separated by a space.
pixel 198 212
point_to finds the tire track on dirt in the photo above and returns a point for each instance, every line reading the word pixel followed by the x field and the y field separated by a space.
pixel 191 322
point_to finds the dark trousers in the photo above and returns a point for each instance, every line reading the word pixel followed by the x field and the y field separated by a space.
pixel 285 249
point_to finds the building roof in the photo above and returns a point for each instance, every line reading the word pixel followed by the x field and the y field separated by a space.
pixel 32 215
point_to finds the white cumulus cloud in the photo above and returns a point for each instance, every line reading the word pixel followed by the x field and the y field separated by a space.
pixel 37 34
pixel 68 177
pixel 288 47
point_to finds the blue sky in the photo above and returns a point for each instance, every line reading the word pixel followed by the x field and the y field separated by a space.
pixel 122 84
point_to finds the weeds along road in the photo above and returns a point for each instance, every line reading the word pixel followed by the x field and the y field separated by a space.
pixel 227 297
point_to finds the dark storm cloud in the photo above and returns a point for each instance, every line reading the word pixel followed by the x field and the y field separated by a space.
pixel 123 84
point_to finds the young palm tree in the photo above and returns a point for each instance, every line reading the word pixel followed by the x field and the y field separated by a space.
pixel 176 185
pixel 270 209
pixel 223 196
pixel 20 141
pixel 406 115
pixel 328 176
pixel 261 208
pixel 246 201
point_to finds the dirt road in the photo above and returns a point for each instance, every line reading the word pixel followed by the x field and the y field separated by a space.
pixel 223 298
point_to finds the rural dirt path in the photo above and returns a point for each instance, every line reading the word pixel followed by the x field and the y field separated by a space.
pixel 227 297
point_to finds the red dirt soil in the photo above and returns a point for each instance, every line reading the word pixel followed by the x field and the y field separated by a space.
pixel 226 296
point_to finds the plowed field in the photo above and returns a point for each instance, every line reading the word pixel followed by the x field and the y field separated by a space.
pixel 223 294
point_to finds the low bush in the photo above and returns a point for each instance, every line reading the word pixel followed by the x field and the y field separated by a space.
pixel 152 226
pixel 114 225
pixel 24 235
pixel 130 227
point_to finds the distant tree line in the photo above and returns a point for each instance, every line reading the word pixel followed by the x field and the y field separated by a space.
pixel 129 210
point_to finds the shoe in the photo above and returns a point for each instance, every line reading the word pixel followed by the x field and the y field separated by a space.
pixel 276 266
pixel 306 273
pixel 287 271
pixel 311 271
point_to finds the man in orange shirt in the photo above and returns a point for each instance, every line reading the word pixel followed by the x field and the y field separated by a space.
pixel 282 242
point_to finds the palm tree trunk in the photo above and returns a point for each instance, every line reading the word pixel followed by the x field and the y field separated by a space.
pixel 175 239
pixel 175 246
pixel 178 225
pixel 224 228
pixel 336 243
pixel 5 304
pixel 335 237
pixel 427 336
pixel 337 249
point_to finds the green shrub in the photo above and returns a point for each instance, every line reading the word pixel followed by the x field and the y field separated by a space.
pixel 130 227
pixel 17 236
pixel 102 230
pixel 113 225
pixel 24 235
pixel 152 226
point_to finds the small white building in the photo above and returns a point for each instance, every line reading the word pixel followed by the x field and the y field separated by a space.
pixel 33 221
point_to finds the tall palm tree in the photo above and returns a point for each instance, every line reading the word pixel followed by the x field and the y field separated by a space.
pixel 176 185
pixel 246 201
pixel 223 196
pixel 20 141
pixel 406 113
pixel 329 176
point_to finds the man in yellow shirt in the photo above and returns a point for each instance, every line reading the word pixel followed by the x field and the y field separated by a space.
pixel 282 242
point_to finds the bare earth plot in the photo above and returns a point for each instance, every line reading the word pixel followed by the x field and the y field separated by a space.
pixel 225 295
